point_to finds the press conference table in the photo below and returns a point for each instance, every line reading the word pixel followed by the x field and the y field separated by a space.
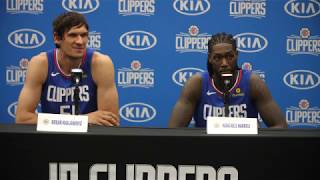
pixel 132 153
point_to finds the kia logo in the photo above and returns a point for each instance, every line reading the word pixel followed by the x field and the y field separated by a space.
pixel 138 40
pixel 81 6
pixel 12 109
pixel 191 7
pixel 302 9
pixel 181 76
pixel 251 42
pixel 137 112
pixel 301 79
pixel 26 38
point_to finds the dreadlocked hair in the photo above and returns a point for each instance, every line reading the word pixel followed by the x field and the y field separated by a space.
pixel 216 39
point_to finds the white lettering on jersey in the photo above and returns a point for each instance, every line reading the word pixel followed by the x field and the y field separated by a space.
pixel 67 109
pixel 234 111
pixel 59 94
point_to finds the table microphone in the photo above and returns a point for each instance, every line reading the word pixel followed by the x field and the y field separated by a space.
pixel 227 77
pixel 76 75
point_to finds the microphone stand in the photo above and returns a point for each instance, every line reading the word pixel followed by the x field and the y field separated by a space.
pixel 76 99
pixel 226 103
pixel 226 94
pixel 76 75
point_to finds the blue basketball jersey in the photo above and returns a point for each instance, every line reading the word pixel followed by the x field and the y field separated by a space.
pixel 57 91
pixel 212 104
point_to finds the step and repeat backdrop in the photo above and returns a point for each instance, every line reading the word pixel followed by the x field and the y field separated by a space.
pixel 156 45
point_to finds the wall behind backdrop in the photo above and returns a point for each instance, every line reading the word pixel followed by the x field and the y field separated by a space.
pixel 156 45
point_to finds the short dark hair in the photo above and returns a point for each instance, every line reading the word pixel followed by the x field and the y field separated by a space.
pixel 216 39
pixel 66 21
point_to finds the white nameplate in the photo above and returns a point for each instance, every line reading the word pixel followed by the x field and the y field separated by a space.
pixel 230 125
pixel 62 122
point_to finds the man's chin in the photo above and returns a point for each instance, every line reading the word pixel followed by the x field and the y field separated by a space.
pixel 78 50
pixel 78 53
pixel 76 56
pixel 225 72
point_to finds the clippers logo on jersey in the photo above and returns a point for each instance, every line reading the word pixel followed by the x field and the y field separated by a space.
pixel 302 8
pixel 94 40
pixel 26 38
pixel 239 110
pixel 138 40
pixel 136 7
pixel 250 9
pixel 30 7
pixel 192 41
pixel 81 6
pixel 251 42
pixel 60 94
pixel 12 109
pixel 191 7
pixel 301 79
pixel 303 44
pixel 138 112
pixel 181 76
pixel 304 115
pixel 136 76
pixel 15 75
pixel 248 66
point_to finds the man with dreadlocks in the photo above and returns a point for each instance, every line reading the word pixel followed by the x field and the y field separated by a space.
pixel 206 94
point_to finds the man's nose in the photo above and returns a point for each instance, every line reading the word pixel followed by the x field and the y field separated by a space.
pixel 224 61
pixel 79 39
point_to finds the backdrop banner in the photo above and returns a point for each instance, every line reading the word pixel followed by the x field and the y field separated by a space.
pixel 156 45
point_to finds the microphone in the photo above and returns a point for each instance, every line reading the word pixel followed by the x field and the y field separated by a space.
pixel 226 77
pixel 76 75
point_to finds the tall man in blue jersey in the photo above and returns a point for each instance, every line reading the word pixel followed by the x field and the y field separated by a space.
pixel 203 94
pixel 49 79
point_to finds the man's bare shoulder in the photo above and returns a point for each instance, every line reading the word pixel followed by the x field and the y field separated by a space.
pixel 196 77
pixel 258 88
pixel 195 80
pixel 40 59
pixel 102 68
pixel 38 68
pixel 100 58
pixel 254 77
pixel 192 88
pixel 256 82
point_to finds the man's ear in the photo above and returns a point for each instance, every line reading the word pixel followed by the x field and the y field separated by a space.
pixel 56 38
pixel 210 58
pixel 236 53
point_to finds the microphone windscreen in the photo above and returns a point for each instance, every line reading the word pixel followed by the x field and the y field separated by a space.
pixel 76 75
pixel 226 75
pixel 226 78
